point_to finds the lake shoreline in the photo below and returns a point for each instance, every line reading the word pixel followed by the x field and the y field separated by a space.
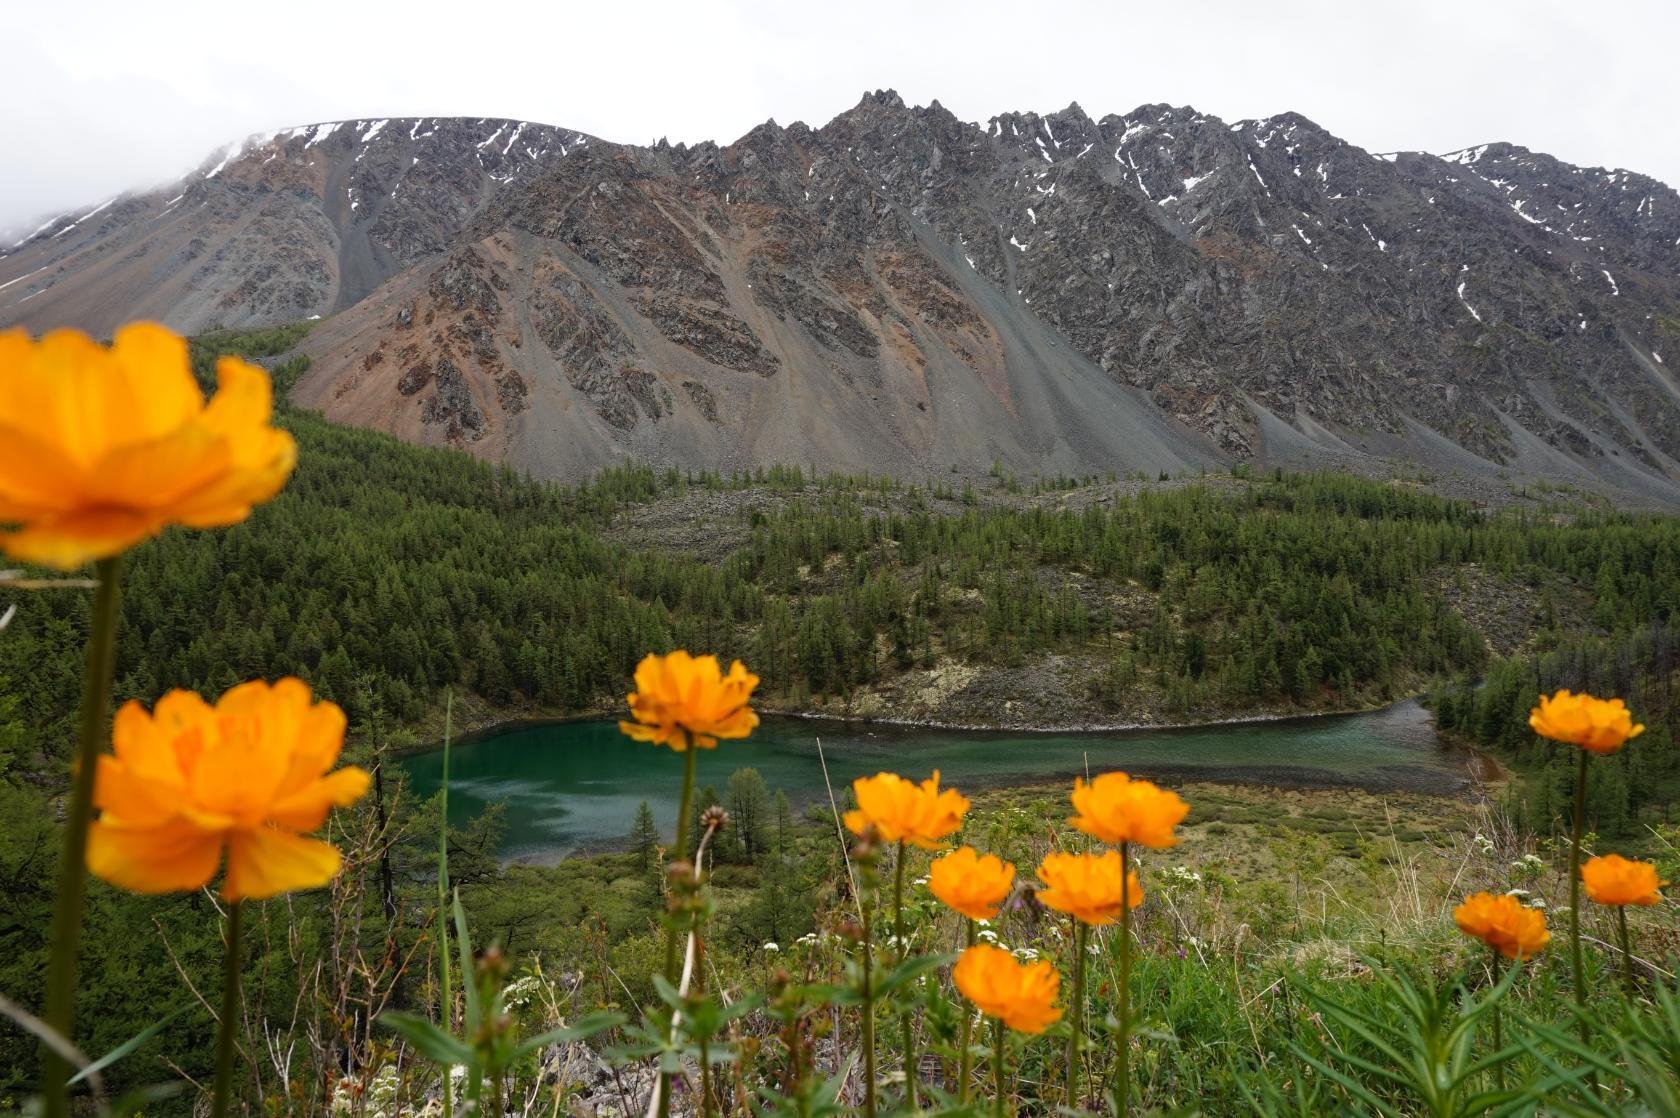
pixel 495 725
pixel 582 799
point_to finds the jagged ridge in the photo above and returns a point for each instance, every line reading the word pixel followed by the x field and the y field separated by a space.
pixel 901 289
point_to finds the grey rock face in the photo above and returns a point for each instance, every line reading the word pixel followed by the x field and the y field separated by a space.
pixel 901 289
pixel 283 226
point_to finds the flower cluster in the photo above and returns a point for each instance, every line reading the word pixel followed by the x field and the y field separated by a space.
pixel 1021 995
pixel 899 810
pixel 101 448
pixel 1615 880
pixel 1114 809
pixel 687 702
pixel 247 777
pixel 1596 725
pixel 1087 886
pixel 973 884
pixel 1180 877
pixel 1504 924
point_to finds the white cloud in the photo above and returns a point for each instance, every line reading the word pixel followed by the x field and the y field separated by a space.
pixel 106 95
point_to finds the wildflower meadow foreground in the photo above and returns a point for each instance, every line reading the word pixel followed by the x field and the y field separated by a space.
pixel 964 967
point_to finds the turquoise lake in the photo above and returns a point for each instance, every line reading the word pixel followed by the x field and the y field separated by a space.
pixel 572 786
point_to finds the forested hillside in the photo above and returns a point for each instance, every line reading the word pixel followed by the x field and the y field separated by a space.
pixel 1634 788
pixel 385 573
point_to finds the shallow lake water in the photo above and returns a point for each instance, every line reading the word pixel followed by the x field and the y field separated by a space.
pixel 575 785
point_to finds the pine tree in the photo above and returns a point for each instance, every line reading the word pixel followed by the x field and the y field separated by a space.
pixel 749 810
pixel 644 838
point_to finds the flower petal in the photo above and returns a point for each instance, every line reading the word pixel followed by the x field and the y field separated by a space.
pixel 36 478
pixel 164 859
pixel 158 473
pixel 133 798
pixel 306 808
pixel 68 541
pixel 265 862
pixel 152 392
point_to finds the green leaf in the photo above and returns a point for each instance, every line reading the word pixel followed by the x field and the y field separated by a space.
pixel 581 1029
pixel 910 970
pixel 668 993
pixel 427 1039
pixel 137 1100
pixel 1366 1028
pixel 1348 1083
pixel 126 1046
pixel 469 987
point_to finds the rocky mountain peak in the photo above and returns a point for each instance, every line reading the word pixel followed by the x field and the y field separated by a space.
pixel 288 224
pixel 900 289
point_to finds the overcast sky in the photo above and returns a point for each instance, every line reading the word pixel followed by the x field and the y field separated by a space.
pixel 106 95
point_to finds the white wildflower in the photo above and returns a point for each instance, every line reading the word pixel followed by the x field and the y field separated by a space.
pixel 520 991
pixel 1180 876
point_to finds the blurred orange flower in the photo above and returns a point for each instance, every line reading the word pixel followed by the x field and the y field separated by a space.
pixel 1596 725
pixel 687 701
pixel 101 448
pixel 1021 995
pixel 902 811
pixel 974 884
pixel 1615 880
pixel 248 776
pixel 1114 808
pixel 1504 924
pixel 1087 886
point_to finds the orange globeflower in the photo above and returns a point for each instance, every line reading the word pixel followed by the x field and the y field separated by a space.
pixel 1596 725
pixel 1115 808
pixel 1615 880
pixel 248 775
pixel 974 884
pixel 1087 886
pixel 101 448
pixel 1504 924
pixel 1022 996
pixel 903 811
pixel 683 701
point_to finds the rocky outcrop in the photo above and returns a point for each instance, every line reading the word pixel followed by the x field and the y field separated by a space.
pixel 903 290
pixel 283 226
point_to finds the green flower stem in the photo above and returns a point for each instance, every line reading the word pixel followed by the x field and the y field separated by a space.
pixel 685 811
pixel 229 1022
pixel 965 1061
pixel 446 994
pixel 1627 952
pixel 1076 1019
pixel 1498 1034
pixel 705 1079
pixel 903 952
pixel 864 911
pixel 1125 1054
pixel 685 808
pixel 997 1065
pixel 72 865
pixel 1575 890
